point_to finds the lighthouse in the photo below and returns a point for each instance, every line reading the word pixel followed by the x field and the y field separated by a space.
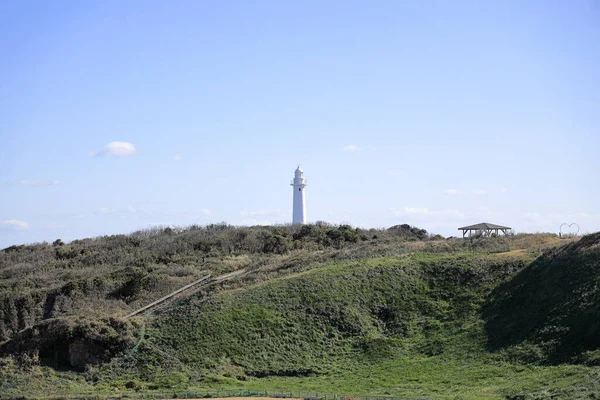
pixel 299 216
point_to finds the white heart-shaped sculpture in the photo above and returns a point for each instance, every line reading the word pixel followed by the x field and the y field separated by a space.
pixel 569 231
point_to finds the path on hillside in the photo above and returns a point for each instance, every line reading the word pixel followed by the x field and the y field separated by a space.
pixel 204 279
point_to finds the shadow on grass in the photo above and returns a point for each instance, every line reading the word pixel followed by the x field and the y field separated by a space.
pixel 552 305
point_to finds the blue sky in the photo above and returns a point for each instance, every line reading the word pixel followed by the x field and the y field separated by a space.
pixel 118 115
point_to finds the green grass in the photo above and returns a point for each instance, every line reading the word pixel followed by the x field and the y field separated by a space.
pixel 425 377
pixel 406 326
pixel 415 325
pixel 439 378
pixel 293 324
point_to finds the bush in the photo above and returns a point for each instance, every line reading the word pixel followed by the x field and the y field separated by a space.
pixel 73 342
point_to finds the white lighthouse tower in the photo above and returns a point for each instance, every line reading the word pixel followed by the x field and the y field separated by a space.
pixel 299 216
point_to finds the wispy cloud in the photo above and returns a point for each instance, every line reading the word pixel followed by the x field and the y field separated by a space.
pixel 64 215
pixel 484 212
pixel 426 212
pixel 253 213
pixel 116 149
pixel 253 221
pixel 204 214
pixel 456 192
pixel 452 192
pixel 504 190
pixel 54 226
pixel 340 216
pixel 351 148
pixel 106 210
pixel 416 210
pixel 14 225
pixel 178 158
pixel 562 217
pixel 183 216
pixel 264 217
pixel 395 172
pixel 533 215
pixel 33 182
pixel 121 211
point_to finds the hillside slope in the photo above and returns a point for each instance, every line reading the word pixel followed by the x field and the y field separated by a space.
pixel 551 308
pixel 475 318
pixel 443 315
pixel 114 275
pixel 298 325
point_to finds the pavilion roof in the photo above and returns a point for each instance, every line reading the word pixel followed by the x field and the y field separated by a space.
pixel 483 225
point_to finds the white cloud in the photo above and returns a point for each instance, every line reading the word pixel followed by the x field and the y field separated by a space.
pixel 264 217
pixel 354 148
pixel 64 215
pixel 252 221
pixel 484 212
pixel 180 215
pixel 351 148
pixel 122 211
pixel 204 214
pixel 161 224
pixel 504 190
pixel 54 226
pixel 449 214
pixel 14 224
pixel 560 218
pixel 253 213
pixel 480 192
pixel 426 212
pixel 340 217
pixel 178 158
pixel 452 192
pixel 532 215
pixel 28 182
pixel 116 149
pixel 395 172
pixel 416 210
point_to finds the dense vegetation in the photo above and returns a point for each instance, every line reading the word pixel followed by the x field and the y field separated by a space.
pixel 112 274
pixel 319 307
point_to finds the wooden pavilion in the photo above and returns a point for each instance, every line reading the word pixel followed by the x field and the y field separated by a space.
pixel 484 229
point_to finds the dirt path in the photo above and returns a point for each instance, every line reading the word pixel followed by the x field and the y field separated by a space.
pixel 511 253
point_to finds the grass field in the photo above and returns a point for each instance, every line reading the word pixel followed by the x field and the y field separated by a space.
pixel 409 321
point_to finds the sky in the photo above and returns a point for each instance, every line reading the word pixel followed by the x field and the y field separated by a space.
pixel 120 115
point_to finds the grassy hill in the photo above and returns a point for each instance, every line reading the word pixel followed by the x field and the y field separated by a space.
pixel 322 308
pixel 117 274
pixel 553 306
